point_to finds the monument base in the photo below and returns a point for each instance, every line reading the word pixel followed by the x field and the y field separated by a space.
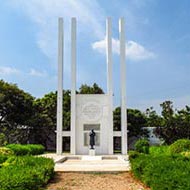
pixel 92 152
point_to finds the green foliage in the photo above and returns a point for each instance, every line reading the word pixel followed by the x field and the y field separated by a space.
pixel 167 110
pixel 142 146
pixel 29 149
pixel 2 158
pixel 35 149
pixel 186 154
pixel 136 121
pixel 133 154
pixel 44 124
pixel 6 151
pixel 95 89
pixel 159 150
pixel 25 173
pixel 16 113
pixel 166 123
pixel 179 146
pixel 153 119
pixel 175 124
pixel 162 172
pixel 3 140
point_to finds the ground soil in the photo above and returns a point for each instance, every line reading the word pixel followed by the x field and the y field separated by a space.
pixel 95 181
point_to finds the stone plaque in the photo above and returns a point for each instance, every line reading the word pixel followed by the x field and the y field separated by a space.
pixel 89 127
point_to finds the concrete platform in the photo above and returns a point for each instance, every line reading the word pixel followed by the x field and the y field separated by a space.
pixel 81 163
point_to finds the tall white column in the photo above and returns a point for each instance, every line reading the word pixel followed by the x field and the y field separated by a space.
pixel 73 86
pixel 59 139
pixel 109 79
pixel 123 85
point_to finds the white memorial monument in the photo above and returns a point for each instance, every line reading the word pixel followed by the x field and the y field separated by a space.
pixel 92 111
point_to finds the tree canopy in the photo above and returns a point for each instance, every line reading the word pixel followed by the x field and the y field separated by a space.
pixel 16 112
pixel 94 89
pixel 136 121
pixel 175 124
pixel 25 119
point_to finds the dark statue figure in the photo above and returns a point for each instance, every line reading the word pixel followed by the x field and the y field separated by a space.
pixel 92 138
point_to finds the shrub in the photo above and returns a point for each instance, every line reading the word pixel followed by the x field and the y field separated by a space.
pixel 133 154
pixel 2 159
pixel 3 141
pixel 35 149
pixel 18 149
pixel 25 173
pixel 186 154
pixel 159 150
pixel 142 146
pixel 29 149
pixel 179 146
pixel 162 172
pixel 6 151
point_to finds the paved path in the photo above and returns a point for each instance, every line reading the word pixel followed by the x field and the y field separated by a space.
pixel 93 173
pixel 95 181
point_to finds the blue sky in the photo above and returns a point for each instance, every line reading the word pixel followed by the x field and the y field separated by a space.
pixel 157 47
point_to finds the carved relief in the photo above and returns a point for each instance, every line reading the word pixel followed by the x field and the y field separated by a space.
pixel 91 111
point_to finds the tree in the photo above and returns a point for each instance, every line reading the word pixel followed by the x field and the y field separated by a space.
pixel 95 89
pixel 135 122
pixel 45 119
pixel 183 123
pixel 167 112
pixel 153 119
pixel 16 112
pixel 175 125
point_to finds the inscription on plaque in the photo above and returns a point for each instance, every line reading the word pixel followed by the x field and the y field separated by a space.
pixel 92 111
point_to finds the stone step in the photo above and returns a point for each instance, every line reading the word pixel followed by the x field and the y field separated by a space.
pixel 81 163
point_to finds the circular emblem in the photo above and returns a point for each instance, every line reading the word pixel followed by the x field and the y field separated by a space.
pixel 91 111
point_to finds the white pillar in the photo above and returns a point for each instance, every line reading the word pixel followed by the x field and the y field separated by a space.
pixel 73 86
pixel 59 139
pixel 109 80
pixel 123 86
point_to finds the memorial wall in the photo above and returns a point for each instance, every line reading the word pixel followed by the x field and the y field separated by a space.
pixel 92 113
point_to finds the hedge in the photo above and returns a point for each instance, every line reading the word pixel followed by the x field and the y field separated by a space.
pixel 160 150
pixel 6 151
pixel 162 172
pixel 29 149
pixel 180 145
pixel 3 158
pixel 25 173
pixel 142 146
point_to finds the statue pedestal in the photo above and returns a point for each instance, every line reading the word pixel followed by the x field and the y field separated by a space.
pixel 92 152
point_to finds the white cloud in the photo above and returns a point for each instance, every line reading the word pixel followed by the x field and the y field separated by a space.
pixel 8 71
pixel 34 72
pixel 45 13
pixel 134 51
pixel 137 52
